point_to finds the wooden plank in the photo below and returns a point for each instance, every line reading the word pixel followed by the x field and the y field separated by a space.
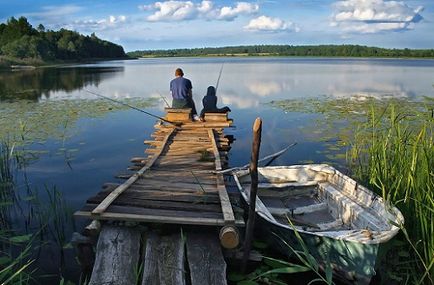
pixel 150 262
pixel 165 205
pixel 195 197
pixel 155 212
pixel 117 256
pixel 164 260
pixel 114 194
pixel 171 260
pixel 227 211
pixel 205 259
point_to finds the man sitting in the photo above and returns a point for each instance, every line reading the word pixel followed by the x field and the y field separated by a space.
pixel 182 94
pixel 209 102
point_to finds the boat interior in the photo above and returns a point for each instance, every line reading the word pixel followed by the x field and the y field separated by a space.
pixel 318 198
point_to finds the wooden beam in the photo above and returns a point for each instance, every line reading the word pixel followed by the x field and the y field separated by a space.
pixel 115 193
pixel 228 214
pixel 218 165
pixel 157 219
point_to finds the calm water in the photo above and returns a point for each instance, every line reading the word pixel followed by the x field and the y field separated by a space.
pixel 77 150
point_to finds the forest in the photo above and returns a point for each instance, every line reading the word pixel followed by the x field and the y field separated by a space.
pixel 290 50
pixel 20 41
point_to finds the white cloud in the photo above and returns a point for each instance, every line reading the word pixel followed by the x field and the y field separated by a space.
pixel 187 10
pixel 270 24
pixel 229 13
pixel 373 16
pixel 173 10
pixel 98 25
pixel 55 13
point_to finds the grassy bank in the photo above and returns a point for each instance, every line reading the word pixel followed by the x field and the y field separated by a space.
pixel 6 62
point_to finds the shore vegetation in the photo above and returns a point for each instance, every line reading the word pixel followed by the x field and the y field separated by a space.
pixel 21 44
pixel 289 50
pixel 388 146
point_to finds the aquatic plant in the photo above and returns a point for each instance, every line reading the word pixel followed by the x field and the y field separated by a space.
pixel 28 122
pixel 45 222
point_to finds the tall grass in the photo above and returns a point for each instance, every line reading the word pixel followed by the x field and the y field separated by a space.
pixel 393 152
pixel 46 221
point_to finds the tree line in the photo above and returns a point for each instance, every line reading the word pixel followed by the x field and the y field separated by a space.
pixel 289 50
pixel 19 40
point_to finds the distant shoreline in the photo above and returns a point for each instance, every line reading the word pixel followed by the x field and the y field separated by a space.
pixel 29 64
pixel 344 51
pixel 282 56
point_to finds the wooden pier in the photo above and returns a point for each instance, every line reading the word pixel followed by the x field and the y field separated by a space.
pixel 178 183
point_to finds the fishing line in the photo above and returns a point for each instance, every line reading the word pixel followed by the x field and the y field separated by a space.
pixel 164 98
pixel 132 107
pixel 218 79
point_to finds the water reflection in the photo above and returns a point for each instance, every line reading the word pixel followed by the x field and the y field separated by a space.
pixel 42 82
pixel 97 138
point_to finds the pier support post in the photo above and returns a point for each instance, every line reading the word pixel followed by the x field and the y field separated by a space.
pixel 257 130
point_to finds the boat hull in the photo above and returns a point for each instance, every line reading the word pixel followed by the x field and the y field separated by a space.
pixel 344 225
pixel 352 262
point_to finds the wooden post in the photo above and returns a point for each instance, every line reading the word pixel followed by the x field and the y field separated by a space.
pixel 257 129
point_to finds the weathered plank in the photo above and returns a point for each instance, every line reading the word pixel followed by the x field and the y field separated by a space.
pixel 166 205
pixel 226 206
pixel 205 259
pixel 171 260
pixel 117 256
pixel 153 217
pixel 114 194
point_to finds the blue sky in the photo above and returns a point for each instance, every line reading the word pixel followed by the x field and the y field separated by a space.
pixel 178 24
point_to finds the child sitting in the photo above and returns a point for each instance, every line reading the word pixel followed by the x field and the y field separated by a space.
pixel 209 102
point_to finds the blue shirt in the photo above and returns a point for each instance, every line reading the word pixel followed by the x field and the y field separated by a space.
pixel 180 88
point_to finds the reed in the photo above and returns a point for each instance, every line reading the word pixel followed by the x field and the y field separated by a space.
pixel 393 152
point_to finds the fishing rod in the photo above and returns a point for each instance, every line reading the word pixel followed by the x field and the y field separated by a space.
pixel 164 98
pixel 132 107
pixel 218 79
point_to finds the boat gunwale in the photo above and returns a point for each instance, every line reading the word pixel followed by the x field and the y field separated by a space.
pixel 363 236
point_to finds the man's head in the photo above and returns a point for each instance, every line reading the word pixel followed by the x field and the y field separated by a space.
pixel 179 72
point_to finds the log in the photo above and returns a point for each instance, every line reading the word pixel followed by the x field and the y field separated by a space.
pixel 117 256
pixel 229 237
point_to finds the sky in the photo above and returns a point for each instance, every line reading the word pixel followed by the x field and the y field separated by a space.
pixel 145 25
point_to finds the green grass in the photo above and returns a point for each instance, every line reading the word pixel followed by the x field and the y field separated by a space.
pixel 45 220
pixel 393 152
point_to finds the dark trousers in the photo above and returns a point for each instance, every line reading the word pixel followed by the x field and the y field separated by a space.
pixel 215 110
pixel 184 103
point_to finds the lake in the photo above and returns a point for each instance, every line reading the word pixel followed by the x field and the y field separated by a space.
pixel 75 141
